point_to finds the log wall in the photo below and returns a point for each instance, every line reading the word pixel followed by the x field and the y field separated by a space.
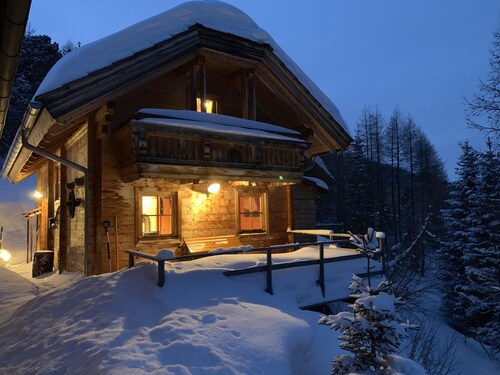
pixel 72 231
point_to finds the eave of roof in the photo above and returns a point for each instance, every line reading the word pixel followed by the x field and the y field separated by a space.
pixel 13 20
pixel 199 123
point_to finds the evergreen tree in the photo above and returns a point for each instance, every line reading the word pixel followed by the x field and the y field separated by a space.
pixel 38 55
pixel 373 332
pixel 461 217
pixel 483 258
pixel 359 205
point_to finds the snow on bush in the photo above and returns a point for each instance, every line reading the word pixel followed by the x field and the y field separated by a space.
pixel 165 254
pixel 373 332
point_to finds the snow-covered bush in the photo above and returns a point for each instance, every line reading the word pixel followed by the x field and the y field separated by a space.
pixel 373 332
pixel 368 246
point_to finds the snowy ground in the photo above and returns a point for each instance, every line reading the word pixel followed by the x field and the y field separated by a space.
pixel 200 322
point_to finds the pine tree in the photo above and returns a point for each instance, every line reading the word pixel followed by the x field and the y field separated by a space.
pixel 483 269
pixel 372 332
pixel 359 205
pixel 461 217
pixel 38 55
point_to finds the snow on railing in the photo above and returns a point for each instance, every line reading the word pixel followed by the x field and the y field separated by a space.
pixel 164 255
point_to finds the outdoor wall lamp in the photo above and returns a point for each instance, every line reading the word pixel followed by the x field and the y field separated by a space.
pixel 206 188
pixel 213 188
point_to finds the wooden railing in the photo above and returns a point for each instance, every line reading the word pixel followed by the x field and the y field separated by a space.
pixel 268 268
pixel 161 263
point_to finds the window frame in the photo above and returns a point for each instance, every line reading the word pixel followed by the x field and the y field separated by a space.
pixel 253 192
pixel 159 193
pixel 215 107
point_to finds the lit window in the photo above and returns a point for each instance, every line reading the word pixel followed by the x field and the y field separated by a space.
pixel 252 212
pixel 158 215
pixel 210 106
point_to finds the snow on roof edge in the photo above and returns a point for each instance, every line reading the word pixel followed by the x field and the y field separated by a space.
pixel 318 182
pixel 320 163
pixel 216 118
pixel 215 128
pixel 212 14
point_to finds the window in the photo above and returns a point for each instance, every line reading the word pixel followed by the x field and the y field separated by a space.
pixel 158 215
pixel 252 212
pixel 210 106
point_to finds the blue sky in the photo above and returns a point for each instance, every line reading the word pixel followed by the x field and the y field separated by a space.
pixel 424 56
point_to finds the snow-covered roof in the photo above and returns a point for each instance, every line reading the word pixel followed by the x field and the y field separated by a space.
pixel 318 182
pixel 211 127
pixel 320 163
pixel 212 14
pixel 215 119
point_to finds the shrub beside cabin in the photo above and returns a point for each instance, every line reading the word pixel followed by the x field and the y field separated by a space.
pixel 132 131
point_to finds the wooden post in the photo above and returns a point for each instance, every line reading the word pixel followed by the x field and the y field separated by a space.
pixel 130 260
pixel 193 87
pixel 244 84
pixel 28 237
pixel 204 83
pixel 269 270
pixel 289 212
pixel 322 268
pixel 252 95
pixel 117 256
pixel 161 273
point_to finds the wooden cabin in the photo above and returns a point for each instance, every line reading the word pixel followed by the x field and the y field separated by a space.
pixel 189 131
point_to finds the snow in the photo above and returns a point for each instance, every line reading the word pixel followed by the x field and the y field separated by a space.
pixel 165 254
pixel 221 250
pixel 381 303
pixel 317 232
pixel 148 33
pixel 318 182
pixel 208 127
pixel 215 119
pixel 320 163
pixel 200 322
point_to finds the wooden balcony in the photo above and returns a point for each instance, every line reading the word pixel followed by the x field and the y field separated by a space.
pixel 146 150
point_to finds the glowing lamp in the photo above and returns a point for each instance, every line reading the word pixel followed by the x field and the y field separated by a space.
pixel 213 188
pixel 37 194
pixel 5 255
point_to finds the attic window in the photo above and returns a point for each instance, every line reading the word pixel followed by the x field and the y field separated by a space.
pixel 210 106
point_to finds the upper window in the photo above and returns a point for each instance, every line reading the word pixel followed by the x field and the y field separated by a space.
pixel 252 212
pixel 210 106
pixel 158 215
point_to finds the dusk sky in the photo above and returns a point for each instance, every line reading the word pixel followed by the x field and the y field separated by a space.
pixel 424 56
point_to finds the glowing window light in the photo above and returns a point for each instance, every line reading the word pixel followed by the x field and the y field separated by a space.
pixel 210 106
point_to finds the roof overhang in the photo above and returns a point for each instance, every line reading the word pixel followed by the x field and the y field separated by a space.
pixel 36 122
pixel 13 20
